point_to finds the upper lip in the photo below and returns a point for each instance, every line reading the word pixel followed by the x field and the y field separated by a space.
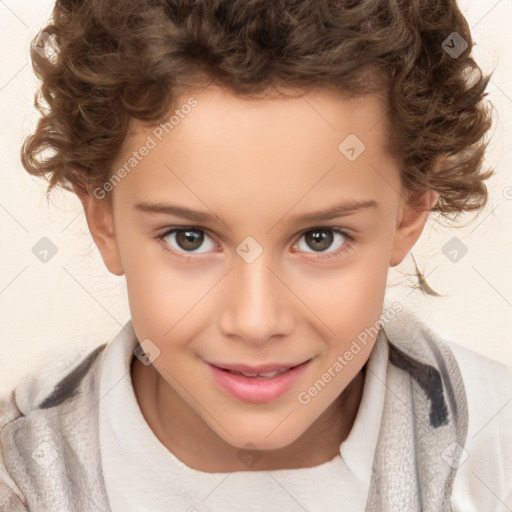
pixel 261 368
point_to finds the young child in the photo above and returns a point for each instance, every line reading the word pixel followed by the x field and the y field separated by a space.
pixel 253 168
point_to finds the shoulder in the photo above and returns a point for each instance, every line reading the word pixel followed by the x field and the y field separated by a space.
pixel 35 412
pixel 11 498
pixel 488 385
pixel 53 382
pixel 473 364
pixel 484 476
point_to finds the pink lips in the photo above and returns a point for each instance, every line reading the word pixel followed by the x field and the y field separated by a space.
pixel 256 389
pixel 262 368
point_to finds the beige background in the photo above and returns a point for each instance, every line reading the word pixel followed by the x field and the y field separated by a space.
pixel 71 302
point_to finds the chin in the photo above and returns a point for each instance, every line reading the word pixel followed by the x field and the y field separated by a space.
pixel 263 438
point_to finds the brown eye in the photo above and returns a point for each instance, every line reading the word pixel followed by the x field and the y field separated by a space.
pixel 185 240
pixel 321 239
pixel 189 240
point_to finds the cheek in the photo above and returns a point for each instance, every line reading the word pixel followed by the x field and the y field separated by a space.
pixel 158 286
pixel 351 298
pixel 163 302
pixel 168 305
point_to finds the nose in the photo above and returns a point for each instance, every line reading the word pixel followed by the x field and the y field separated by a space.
pixel 257 303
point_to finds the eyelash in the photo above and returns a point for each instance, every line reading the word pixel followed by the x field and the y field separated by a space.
pixel 345 248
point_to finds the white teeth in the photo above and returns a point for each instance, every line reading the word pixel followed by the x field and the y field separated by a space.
pixel 265 375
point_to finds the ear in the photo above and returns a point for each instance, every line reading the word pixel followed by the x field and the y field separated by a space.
pixel 100 220
pixel 410 223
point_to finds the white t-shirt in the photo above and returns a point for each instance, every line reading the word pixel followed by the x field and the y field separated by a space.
pixel 142 474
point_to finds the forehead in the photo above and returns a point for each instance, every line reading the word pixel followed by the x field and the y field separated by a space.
pixel 223 140
pixel 221 112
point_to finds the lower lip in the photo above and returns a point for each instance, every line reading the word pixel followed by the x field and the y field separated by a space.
pixel 254 389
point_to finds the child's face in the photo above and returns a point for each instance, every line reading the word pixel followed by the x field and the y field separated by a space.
pixel 255 291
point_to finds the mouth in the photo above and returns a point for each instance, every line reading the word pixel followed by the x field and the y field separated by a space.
pixel 268 371
pixel 256 384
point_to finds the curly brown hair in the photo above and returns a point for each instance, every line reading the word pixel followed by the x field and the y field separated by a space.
pixel 131 59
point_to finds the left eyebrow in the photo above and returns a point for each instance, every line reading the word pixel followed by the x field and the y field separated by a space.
pixel 177 211
pixel 337 210
pixel 331 212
